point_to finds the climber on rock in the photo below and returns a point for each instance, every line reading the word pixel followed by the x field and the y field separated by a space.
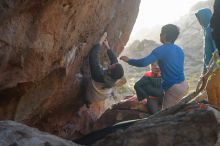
pixel 170 58
pixel 102 80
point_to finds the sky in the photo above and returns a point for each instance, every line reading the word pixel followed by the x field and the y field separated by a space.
pixel 160 12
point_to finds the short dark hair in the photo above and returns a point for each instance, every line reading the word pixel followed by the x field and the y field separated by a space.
pixel 117 72
pixel 171 32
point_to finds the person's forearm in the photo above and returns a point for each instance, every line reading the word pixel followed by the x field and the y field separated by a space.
pixel 95 69
pixel 93 55
pixel 112 57
pixel 142 62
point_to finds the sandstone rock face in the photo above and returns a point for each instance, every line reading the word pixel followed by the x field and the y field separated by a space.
pixel 128 110
pixel 189 126
pixel 197 128
pixel 43 49
pixel 15 134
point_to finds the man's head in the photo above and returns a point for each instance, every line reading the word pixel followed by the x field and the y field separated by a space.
pixel 115 71
pixel 169 33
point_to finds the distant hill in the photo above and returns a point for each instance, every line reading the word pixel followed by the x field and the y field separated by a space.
pixel 190 39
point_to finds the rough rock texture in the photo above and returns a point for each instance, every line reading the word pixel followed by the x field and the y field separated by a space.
pixel 218 142
pixel 189 126
pixel 43 47
pixel 123 111
pixel 16 134
pixel 197 128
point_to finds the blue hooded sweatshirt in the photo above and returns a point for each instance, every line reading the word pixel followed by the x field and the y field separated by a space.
pixel 204 16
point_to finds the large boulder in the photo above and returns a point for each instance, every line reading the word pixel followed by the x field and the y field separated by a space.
pixel 183 124
pixel 123 111
pixel 16 134
pixel 197 128
pixel 44 46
